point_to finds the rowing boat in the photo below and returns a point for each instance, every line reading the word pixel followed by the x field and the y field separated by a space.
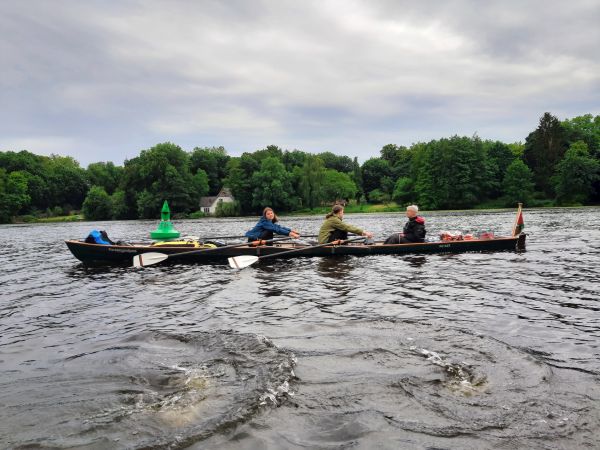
pixel 123 254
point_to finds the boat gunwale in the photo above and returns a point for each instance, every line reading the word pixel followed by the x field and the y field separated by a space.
pixel 279 246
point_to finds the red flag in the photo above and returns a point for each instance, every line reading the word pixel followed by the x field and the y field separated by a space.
pixel 519 225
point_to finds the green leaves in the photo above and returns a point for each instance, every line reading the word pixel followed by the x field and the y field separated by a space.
pixel 450 173
pixel 157 174
pixel 544 148
pixel 517 184
pixel 97 204
pixel 338 186
pixel 575 174
pixel 311 176
pixel 104 174
pixel 273 186
pixel 562 158
pixel 213 161
pixel 13 194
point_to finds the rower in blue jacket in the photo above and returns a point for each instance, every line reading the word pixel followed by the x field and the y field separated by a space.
pixel 267 226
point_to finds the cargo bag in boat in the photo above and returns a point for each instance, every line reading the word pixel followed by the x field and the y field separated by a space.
pixel 98 237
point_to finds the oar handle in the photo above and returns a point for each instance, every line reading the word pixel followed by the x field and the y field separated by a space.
pixel 307 248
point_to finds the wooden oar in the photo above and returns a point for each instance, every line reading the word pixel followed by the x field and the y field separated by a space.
pixel 239 262
pixel 218 237
pixel 147 259
pixel 240 237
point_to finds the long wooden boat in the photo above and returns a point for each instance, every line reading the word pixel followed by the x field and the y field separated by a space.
pixel 123 254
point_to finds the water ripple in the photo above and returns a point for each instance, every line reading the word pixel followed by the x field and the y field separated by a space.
pixel 467 350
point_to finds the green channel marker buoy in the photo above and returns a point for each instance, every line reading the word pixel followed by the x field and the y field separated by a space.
pixel 165 228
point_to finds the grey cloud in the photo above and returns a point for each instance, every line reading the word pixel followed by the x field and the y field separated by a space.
pixel 348 77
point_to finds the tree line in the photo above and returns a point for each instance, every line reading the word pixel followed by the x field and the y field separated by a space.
pixel 559 163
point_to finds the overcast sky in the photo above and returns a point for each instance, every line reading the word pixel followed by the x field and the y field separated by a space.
pixel 102 80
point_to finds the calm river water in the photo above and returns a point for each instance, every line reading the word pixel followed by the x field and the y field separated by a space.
pixel 493 350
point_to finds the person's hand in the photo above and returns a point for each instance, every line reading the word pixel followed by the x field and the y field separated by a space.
pixel 294 234
pixel 368 234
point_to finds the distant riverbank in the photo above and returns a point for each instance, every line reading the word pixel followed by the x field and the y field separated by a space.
pixel 363 208
pixel 33 219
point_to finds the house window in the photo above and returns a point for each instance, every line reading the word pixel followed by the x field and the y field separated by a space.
pixel 206 210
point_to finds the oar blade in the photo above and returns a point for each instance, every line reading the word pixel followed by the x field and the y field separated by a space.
pixel 147 259
pixel 239 262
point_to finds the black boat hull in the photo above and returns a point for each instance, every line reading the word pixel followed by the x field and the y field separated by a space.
pixel 117 254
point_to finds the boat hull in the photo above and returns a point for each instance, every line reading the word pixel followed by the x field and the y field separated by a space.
pixel 117 254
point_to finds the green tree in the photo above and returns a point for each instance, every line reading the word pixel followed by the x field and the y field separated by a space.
pixel 544 148
pixel 336 162
pixel 450 173
pixel 270 151
pixel 391 153
pixel 52 181
pixel 387 187
pixel 403 166
pixel 200 184
pixel 39 191
pixel 118 205
pixel 584 128
pixel 399 159
pixel 373 170
pixel 517 149
pixel 404 190
pixel 575 174
pixel 312 176
pixel 337 186
pixel 23 160
pixel 97 204
pixel 518 183
pixel 13 194
pixel 213 161
pixel 67 182
pixel 427 188
pixel 148 205
pixel 163 173
pixel 227 209
pixel 376 196
pixel 104 174
pixel 239 179
pixel 498 157
pixel 357 178
pixel 294 158
pixel 273 186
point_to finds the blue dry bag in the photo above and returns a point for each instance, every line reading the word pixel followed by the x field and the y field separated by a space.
pixel 97 237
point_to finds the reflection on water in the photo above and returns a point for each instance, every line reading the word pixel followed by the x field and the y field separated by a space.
pixel 416 261
pixel 336 267
pixel 478 350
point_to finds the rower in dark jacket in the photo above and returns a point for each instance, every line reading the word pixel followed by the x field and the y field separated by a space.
pixel 414 230
pixel 267 226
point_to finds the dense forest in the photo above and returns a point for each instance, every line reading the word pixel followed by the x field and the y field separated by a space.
pixel 559 164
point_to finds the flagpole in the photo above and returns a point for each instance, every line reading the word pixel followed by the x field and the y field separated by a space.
pixel 514 230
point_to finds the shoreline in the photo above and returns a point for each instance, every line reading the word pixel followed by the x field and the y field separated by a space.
pixel 375 209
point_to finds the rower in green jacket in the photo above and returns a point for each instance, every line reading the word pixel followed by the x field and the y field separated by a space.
pixel 333 229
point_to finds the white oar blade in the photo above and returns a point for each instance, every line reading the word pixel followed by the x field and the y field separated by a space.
pixel 239 262
pixel 147 259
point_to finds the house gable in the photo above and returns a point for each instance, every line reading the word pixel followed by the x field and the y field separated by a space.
pixel 208 205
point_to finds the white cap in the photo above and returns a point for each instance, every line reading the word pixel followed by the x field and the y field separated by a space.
pixel 415 208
